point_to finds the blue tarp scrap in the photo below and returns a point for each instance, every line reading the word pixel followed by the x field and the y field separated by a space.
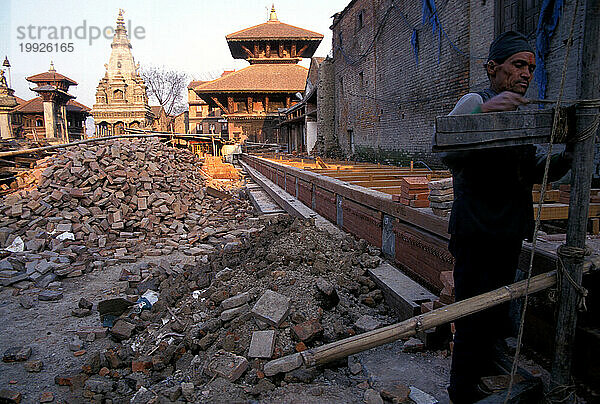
pixel 414 41
pixel 547 23
pixel 430 17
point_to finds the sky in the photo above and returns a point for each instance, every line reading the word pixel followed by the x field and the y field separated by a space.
pixel 184 35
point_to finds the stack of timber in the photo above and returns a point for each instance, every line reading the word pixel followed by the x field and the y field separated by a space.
pixel 550 196
pixel 441 196
pixel 215 168
pixel 565 194
pixel 413 192
pixel 13 168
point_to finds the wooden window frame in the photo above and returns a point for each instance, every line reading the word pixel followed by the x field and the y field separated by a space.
pixel 520 10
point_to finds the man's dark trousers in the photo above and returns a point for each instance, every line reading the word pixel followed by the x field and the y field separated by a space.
pixel 482 264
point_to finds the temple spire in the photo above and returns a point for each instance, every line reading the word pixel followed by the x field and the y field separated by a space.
pixel 120 20
pixel 273 15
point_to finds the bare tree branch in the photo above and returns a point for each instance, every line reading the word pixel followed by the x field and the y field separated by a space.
pixel 167 87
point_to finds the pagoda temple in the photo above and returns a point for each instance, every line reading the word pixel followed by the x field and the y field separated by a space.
pixel 54 100
pixel 121 98
pixel 251 97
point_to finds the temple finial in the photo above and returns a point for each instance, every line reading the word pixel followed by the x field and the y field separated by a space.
pixel 120 19
pixel 273 15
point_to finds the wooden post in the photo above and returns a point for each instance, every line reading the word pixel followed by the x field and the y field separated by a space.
pixel 579 201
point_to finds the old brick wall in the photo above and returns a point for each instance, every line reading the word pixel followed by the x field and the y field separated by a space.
pixel 386 103
pixel 481 34
pixel 384 97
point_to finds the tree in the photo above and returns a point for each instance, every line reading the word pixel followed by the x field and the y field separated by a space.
pixel 167 87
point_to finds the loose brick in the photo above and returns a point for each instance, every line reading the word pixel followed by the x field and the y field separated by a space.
pixel 262 344
pixel 282 365
pixel 122 330
pixel 308 330
pixel 272 308
pixel 33 366
pixel 227 365
pixel 10 396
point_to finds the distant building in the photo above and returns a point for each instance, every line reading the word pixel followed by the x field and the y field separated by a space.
pixel 54 116
pixel 181 123
pixel 299 122
pixel 29 120
pixel 162 122
pixel 205 118
pixel 251 97
pixel 121 98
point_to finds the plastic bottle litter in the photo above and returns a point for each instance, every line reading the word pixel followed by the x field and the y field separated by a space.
pixel 146 301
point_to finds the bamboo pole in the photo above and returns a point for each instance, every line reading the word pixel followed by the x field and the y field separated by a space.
pixel 133 134
pixel 78 142
pixel 362 342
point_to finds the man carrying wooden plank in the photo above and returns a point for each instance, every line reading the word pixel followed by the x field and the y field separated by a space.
pixel 492 213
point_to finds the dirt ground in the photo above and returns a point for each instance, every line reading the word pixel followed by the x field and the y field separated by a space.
pixel 49 328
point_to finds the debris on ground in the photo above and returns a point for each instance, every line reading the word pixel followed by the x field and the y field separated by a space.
pixel 207 292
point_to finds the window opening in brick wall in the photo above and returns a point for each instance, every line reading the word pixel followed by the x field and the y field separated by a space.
pixel 359 20
pixel 351 139
pixel 361 81
pixel 517 15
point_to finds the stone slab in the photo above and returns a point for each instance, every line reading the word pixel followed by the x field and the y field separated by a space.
pixel 272 308
pixel 262 344
pixel 230 314
pixel 235 301
pixel 401 292
pixel 227 365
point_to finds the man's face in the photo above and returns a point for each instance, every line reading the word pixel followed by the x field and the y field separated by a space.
pixel 514 74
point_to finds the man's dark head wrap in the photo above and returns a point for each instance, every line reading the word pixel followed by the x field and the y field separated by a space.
pixel 507 44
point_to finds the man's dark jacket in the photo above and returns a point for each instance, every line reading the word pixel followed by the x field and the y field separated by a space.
pixel 493 188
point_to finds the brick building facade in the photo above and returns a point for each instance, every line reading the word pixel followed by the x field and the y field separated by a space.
pixel 386 101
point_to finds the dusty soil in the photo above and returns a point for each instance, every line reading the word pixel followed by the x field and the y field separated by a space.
pixel 290 255
pixel 48 328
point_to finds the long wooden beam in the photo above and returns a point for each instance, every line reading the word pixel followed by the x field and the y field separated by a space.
pixel 560 211
pixel 407 328
pixel 373 170
pixel 377 183
pixel 248 51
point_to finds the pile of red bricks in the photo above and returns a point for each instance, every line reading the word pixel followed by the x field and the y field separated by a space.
pixel 114 194
pixel 413 192
pixel 217 169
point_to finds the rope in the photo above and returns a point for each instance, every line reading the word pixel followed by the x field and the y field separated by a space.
pixel 539 211
pixel 578 254
pixel 565 391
